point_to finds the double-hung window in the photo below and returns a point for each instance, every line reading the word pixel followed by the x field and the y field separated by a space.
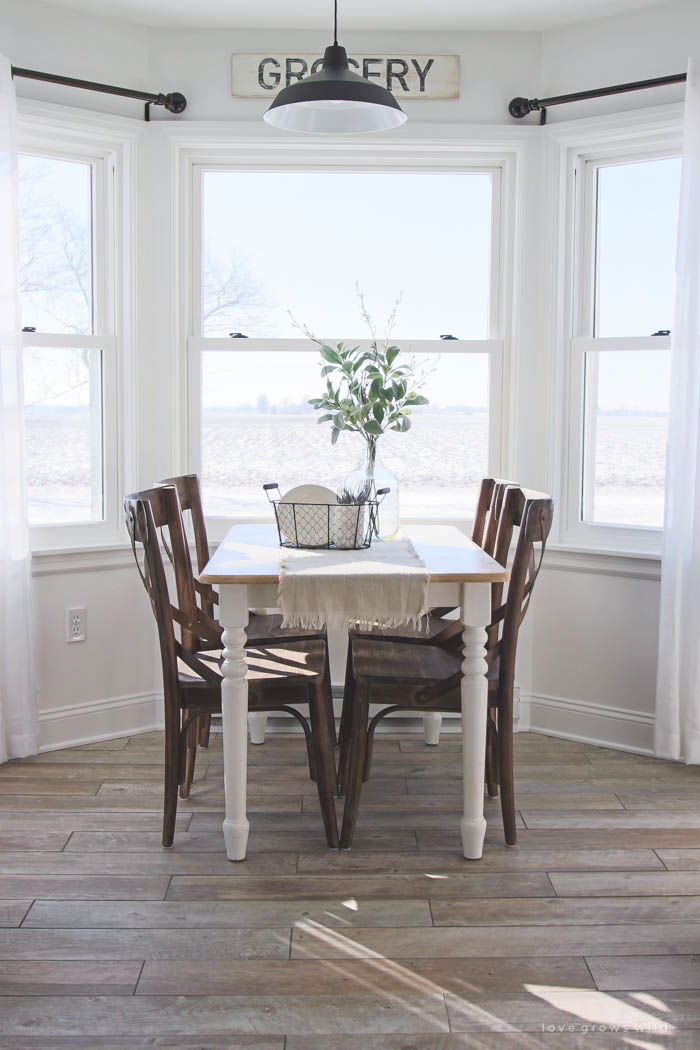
pixel 277 253
pixel 68 314
pixel 623 292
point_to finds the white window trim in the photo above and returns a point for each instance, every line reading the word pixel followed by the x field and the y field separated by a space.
pixel 655 132
pixel 88 136
pixel 434 149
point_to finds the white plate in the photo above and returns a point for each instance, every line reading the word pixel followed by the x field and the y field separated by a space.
pixel 310 494
pixel 306 528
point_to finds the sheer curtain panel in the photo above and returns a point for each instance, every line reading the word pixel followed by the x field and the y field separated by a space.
pixel 677 729
pixel 18 714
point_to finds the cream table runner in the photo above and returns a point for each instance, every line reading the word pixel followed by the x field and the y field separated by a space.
pixel 386 584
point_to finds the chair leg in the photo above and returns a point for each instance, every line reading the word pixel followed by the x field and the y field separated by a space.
pixel 190 756
pixel 325 767
pixel 431 728
pixel 505 769
pixel 369 748
pixel 345 721
pixel 356 746
pixel 312 757
pixel 171 777
pixel 491 757
pixel 204 730
pixel 328 696
pixel 257 721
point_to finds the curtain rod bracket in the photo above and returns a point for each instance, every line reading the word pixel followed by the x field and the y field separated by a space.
pixel 174 101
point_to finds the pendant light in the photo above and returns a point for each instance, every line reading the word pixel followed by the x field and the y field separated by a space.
pixel 335 100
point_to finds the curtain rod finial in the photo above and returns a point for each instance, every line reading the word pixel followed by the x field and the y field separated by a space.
pixel 520 107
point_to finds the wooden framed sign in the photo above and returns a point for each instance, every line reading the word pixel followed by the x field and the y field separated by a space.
pixel 407 76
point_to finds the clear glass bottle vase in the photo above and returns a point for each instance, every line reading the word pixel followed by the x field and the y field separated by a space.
pixel 368 478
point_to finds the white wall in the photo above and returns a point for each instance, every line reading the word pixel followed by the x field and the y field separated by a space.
pixel 107 685
pixel 587 660
pixel 654 42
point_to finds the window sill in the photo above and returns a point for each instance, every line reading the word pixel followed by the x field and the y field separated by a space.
pixel 564 557
pixel 58 560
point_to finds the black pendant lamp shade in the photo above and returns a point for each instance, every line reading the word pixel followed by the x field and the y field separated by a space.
pixel 335 100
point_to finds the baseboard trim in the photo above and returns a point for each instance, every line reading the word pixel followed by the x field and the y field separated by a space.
pixel 590 723
pixel 614 727
pixel 95 720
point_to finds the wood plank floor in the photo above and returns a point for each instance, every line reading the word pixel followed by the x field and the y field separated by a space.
pixel 587 934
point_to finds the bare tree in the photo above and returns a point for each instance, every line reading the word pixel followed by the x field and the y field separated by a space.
pixel 231 298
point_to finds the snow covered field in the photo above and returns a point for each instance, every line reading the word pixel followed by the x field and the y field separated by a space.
pixel 438 463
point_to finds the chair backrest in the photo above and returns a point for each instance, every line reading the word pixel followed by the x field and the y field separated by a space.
pixel 190 496
pixel 150 514
pixel 157 531
pixel 482 508
pixel 533 512
pixel 503 514
pixel 493 515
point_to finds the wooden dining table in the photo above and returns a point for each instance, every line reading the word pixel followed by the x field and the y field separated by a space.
pixel 246 570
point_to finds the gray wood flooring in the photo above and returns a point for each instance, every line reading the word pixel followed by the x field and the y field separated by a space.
pixel 587 934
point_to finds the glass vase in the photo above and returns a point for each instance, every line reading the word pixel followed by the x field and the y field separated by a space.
pixel 367 479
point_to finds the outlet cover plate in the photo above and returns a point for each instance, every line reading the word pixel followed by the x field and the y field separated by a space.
pixel 76 624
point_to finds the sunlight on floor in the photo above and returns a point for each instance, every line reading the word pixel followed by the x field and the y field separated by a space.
pixel 603 1009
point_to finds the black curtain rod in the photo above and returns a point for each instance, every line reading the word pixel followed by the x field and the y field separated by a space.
pixel 174 102
pixel 520 107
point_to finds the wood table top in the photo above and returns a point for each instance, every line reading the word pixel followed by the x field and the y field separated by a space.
pixel 252 554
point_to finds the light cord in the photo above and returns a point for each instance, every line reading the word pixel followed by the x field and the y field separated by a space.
pixel 335 23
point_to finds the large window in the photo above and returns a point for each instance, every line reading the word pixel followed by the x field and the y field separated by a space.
pixel 69 342
pixel 620 364
pixel 277 253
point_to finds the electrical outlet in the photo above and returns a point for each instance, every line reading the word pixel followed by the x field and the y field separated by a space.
pixel 76 624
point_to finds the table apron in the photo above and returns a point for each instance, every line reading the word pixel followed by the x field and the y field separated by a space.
pixel 264 595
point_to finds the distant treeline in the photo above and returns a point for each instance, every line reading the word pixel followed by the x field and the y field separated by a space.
pixel 302 409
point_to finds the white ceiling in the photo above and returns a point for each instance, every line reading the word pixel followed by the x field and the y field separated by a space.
pixel 359 14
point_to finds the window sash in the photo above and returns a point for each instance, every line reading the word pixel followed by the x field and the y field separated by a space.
pixel 495 310
pixel 52 143
pixel 586 266
pixel 81 533
pixel 493 346
pixel 577 488
pixel 581 442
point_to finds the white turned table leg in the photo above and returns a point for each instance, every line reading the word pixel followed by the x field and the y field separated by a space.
pixel 431 728
pixel 233 611
pixel 257 721
pixel 476 613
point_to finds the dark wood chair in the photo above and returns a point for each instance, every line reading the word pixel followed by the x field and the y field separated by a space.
pixel 263 628
pixel 442 625
pixel 279 674
pixel 403 676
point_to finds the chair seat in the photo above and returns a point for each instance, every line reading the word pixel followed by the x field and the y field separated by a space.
pixel 394 663
pixel 265 663
pixel 293 660
pixel 402 661
pixel 430 628
pixel 266 628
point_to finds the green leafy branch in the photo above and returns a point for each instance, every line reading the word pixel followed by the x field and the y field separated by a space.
pixel 368 391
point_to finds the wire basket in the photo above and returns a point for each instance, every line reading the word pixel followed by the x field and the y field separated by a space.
pixel 330 526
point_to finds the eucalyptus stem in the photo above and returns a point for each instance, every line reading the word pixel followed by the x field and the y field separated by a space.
pixel 367 391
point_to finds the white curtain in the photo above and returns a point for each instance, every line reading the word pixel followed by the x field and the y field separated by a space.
pixel 677 730
pixel 18 715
